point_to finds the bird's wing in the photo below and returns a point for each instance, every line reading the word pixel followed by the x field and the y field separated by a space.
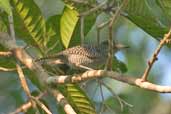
pixel 89 51
pixel 86 50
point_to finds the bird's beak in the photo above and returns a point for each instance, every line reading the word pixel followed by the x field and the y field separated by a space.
pixel 121 46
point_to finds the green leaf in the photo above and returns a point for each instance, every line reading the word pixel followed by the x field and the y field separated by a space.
pixel 53 24
pixel 149 16
pixel 68 23
pixel 118 66
pixel 5 5
pixel 166 7
pixel 3 26
pixel 79 100
pixel 32 22
pixel 89 22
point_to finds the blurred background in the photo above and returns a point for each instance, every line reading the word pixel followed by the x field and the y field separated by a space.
pixel 136 100
pixel 142 46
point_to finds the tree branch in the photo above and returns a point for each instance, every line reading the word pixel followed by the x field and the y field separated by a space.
pixel 38 102
pixel 114 75
pixel 93 9
pixel 25 86
pixel 154 56
pixel 7 69
pixel 11 26
pixel 61 99
pixel 24 58
pixel 82 29
pixel 99 27
pixel 110 39
pixel 21 55
pixel 7 53
pixel 26 106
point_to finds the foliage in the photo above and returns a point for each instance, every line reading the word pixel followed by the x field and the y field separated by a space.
pixel 79 100
pixel 63 30
pixel 32 22
pixel 150 15
pixel 5 5
pixel 68 22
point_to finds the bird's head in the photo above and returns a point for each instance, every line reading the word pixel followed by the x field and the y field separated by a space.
pixel 120 46
pixel 116 46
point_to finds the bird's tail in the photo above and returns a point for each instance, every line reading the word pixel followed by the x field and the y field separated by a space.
pixel 52 60
pixel 49 57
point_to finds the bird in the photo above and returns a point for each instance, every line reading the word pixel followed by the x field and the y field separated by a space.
pixel 86 56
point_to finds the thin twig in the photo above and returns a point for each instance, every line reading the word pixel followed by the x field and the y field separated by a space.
pixel 103 103
pixel 99 27
pixel 9 69
pixel 80 1
pixel 102 96
pixel 93 9
pixel 7 53
pixel 110 6
pixel 82 29
pixel 98 36
pixel 109 108
pixel 26 106
pixel 24 85
pixel 52 47
pixel 110 52
pixel 110 40
pixel 23 80
pixel 114 95
pixel 94 91
pixel 120 100
pixel 42 105
pixel 154 56
pixel 11 25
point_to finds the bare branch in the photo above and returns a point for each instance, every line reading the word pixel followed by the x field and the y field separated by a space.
pixel 27 60
pixel 52 47
pixel 26 106
pixel 120 100
pixel 24 85
pixel 24 58
pixel 80 1
pixel 110 40
pixel 23 80
pixel 42 105
pixel 7 69
pixel 11 26
pixel 7 53
pixel 114 75
pixel 82 29
pixel 93 9
pixel 168 41
pixel 154 56
pixel 63 102
pixel 99 27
